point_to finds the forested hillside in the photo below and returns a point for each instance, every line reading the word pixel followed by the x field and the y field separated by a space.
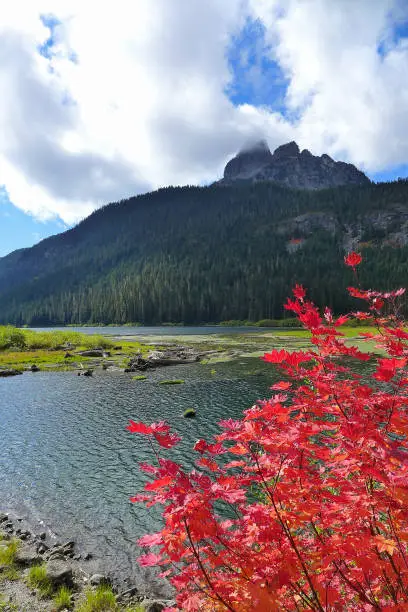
pixel 209 254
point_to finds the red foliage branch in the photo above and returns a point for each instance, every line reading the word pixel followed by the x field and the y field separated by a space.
pixel 315 481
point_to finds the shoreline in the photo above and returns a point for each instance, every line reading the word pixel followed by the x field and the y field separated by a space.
pixel 65 566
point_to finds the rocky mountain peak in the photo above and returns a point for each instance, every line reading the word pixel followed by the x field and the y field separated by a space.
pixel 249 161
pixel 288 166
pixel 285 151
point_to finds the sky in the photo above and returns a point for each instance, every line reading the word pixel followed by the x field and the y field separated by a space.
pixel 100 101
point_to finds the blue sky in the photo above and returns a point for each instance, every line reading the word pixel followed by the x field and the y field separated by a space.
pixel 180 87
pixel 19 230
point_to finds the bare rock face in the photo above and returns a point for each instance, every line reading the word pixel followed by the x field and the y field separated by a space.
pixel 249 162
pixel 290 167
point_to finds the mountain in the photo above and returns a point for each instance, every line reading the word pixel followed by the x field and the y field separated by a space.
pixel 290 167
pixel 209 254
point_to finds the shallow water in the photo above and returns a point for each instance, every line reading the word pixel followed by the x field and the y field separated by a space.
pixel 67 459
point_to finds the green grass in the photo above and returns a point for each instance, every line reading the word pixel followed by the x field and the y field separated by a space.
pixel 23 359
pixel 6 605
pixel 12 338
pixel 21 348
pixel 171 382
pixel 37 579
pixel 348 331
pixel 103 599
pixel 8 551
pixel 136 348
pixel 62 599
pixel 139 377
pixel 11 573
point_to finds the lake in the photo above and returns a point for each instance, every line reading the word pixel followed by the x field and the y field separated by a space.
pixel 170 330
pixel 67 459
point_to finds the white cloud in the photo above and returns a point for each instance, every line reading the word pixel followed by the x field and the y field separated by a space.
pixel 350 99
pixel 144 102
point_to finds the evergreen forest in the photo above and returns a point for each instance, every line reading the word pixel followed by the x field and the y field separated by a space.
pixel 195 255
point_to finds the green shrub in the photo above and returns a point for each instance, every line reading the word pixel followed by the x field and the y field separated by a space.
pixel 139 377
pixel 11 337
pixel 91 341
pixel 171 382
pixel 101 600
pixel 62 599
pixel 27 339
pixel 37 579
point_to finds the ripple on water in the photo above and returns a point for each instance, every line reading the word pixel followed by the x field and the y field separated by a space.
pixel 67 459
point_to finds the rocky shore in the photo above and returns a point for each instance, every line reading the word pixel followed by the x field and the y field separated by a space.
pixel 86 361
pixel 63 567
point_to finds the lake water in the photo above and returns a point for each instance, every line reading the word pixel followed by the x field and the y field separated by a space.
pixel 67 459
pixel 156 331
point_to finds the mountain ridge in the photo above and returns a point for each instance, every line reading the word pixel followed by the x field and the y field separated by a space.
pixel 207 254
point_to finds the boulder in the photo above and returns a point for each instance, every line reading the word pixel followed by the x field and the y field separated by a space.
pixel 59 573
pixel 153 606
pixel 26 555
pixel 60 551
pixel 42 548
pixel 98 579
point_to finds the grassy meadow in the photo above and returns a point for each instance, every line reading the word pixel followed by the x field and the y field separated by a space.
pixel 21 348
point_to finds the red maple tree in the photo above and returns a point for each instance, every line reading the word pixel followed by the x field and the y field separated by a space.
pixel 303 503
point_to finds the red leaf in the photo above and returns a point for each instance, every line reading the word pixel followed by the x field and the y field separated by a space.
pixel 299 292
pixel 167 440
pixel 281 386
pixel 139 428
pixel 159 483
pixel 152 539
pixel 149 559
pixel 353 259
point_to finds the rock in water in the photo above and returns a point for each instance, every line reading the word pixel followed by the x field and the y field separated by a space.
pixel 190 413
pixel 290 167
pixel 9 372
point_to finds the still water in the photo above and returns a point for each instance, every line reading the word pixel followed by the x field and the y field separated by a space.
pixel 156 331
pixel 66 458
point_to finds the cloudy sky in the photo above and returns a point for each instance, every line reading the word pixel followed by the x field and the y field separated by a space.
pixel 102 100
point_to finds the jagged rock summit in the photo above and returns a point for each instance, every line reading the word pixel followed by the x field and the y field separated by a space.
pixel 290 167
